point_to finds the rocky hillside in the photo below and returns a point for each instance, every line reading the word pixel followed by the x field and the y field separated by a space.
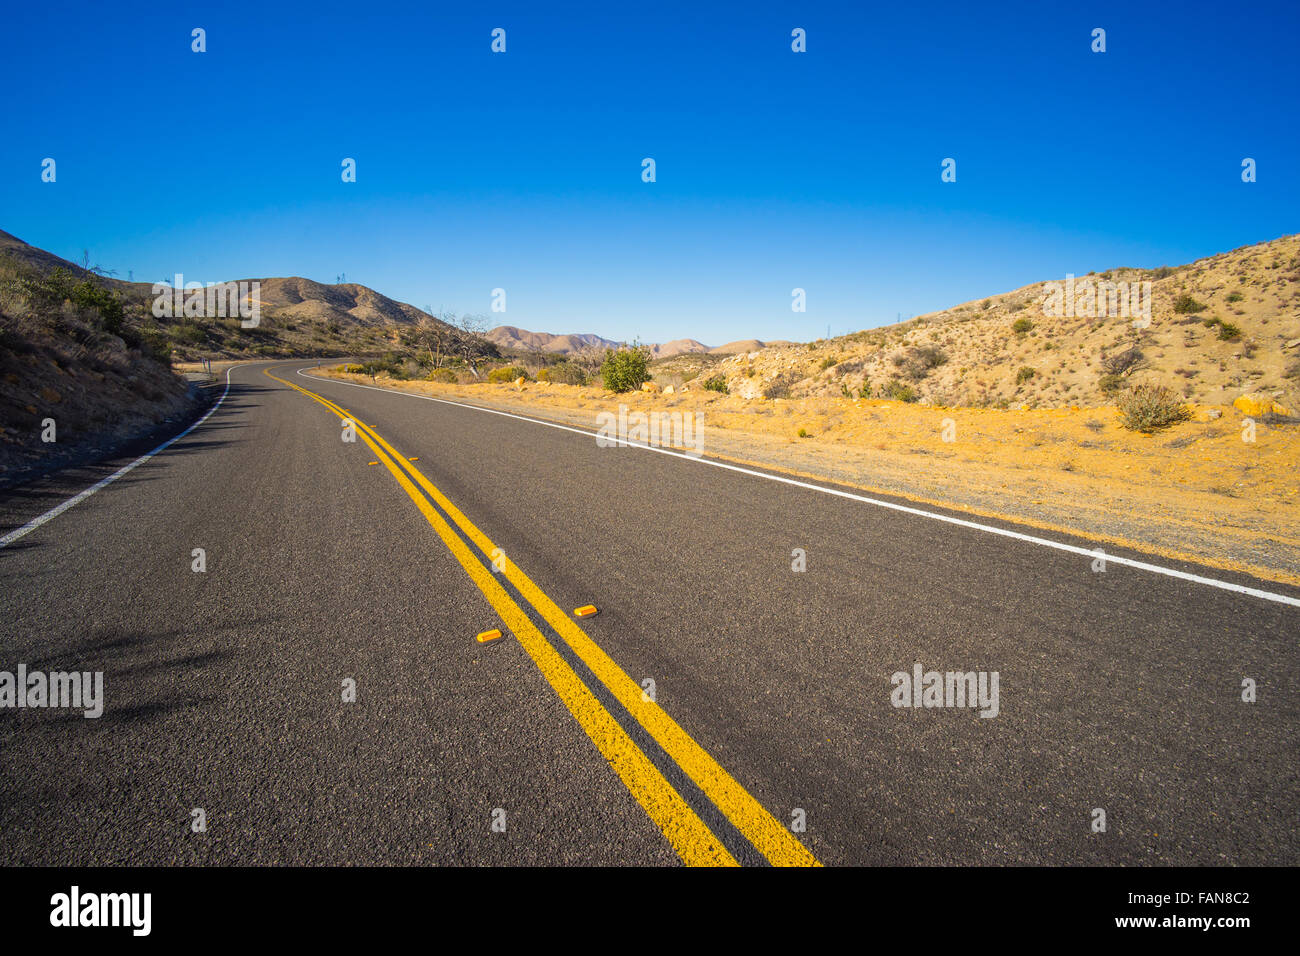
pixel 300 317
pixel 1217 328
pixel 521 340
pixel 509 337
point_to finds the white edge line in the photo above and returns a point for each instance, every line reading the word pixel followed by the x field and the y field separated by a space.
pixel 78 498
pixel 893 506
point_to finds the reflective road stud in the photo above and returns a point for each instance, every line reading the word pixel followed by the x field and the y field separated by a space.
pixel 587 610
pixel 491 635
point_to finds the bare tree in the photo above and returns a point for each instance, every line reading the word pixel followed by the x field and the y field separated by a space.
pixel 470 343
pixel 589 359
pixel 435 335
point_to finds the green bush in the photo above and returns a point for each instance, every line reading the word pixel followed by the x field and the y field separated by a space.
pixel 1186 303
pixel 1025 374
pixel 372 368
pixel 1148 407
pixel 717 383
pixel 625 370
pixel 900 392
pixel 1235 297
pixel 1021 326
pixel 565 373
pixel 188 333
pixel 1229 332
pixel 443 375
pixel 507 373
pixel 1110 383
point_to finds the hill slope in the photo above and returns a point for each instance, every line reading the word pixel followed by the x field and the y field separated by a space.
pixel 1218 327
pixel 300 317
pixel 510 337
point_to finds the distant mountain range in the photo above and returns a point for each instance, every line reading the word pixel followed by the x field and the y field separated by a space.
pixel 303 316
pixel 510 337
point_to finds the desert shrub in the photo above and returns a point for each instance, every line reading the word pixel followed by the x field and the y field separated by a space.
pixel 1235 297
pixel 803 433
pixel 917 362
pixel 1149 407
pixel 507 373
pixel 827 362
pixel 717 383
pixel 443 375
pixel 1121 363
pixel 1025 374
pixel 865 390
pixel 188 333
pixel 1021 326
pixel 1187 303
pixel 986 304
pixel 1229 332
pixel 565 373
pixel 1110 383
pixel 779 387
pixel 371 368
pixel 626 369
pixel 1162 272
pixel 898 391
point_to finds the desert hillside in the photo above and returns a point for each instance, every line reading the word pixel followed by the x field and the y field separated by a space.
pixel 85 364
pixel 521 340
pixel 300 317
pixel 510 337
pixel 1218 327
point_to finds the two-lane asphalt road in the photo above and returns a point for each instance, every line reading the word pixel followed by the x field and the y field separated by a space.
pixel 722 706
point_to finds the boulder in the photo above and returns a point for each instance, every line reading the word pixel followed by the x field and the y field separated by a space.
pixel 651 387
pixel 1253 404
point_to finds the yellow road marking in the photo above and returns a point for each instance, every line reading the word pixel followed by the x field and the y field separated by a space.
pixel 772 839
pixel 693 841
pixel 768 835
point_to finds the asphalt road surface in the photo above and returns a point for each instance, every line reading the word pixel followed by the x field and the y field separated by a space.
pixel 767 735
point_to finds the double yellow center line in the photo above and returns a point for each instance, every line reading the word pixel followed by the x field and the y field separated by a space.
pixel 689 836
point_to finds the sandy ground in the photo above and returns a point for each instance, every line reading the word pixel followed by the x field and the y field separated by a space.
pixel 1198 491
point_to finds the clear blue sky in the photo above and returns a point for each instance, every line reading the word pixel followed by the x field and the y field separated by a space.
pixel 775 170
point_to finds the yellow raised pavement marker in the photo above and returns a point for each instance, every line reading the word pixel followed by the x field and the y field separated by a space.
pixel 491 635
pixel 587 610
